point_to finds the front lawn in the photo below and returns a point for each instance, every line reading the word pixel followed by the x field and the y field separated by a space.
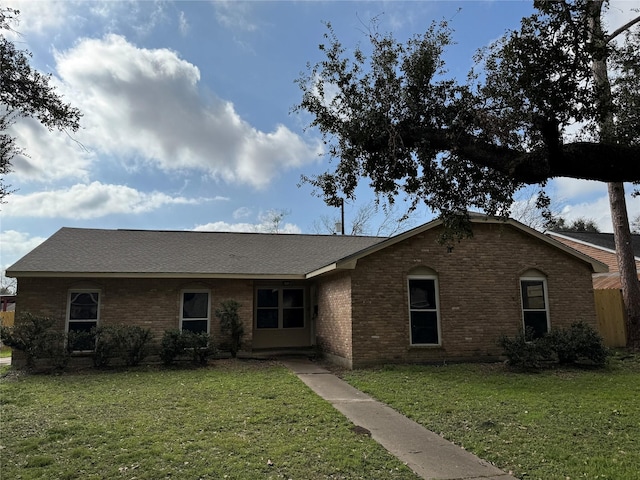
pixel 234 420
pixel 557 424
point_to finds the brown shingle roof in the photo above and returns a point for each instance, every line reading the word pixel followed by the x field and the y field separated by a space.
pixel 175 253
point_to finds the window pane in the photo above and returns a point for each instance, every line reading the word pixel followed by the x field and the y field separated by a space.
pixel 84 306
pixel 424 327
pixel 195 326
pixel 537 321
pixel 533 294
pixel 195 305
pixel 293 318
pixel 267 318
pixel 268 297
pixel 80 336
pixel 422 294
pixel 292 298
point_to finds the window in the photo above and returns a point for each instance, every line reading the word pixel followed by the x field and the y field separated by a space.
pixel 534 305
pixel 195 311
pixel 280 308
pixel 423 311
pixel 83 315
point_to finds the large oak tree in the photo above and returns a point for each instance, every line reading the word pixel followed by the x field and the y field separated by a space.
pixel 557 98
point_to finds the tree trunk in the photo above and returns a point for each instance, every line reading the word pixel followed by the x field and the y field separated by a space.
pixel 626 263
pixel 619 217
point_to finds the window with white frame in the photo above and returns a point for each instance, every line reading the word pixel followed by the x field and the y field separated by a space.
pixel 280 308
pixel 83 315
pixel 535 312
pixel 195 311
pixel 424 317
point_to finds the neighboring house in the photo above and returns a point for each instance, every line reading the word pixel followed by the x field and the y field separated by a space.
pixel 610 309
pixel 600 246
pixel 361 300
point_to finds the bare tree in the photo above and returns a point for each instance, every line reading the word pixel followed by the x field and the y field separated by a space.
pixel 362 221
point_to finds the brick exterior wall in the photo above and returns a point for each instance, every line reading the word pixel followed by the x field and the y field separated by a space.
pixel 149 303
pixel 479 293
pixel 362 314
pixel 333 322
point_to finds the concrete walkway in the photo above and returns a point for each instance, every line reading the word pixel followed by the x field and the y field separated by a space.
pixel 427 454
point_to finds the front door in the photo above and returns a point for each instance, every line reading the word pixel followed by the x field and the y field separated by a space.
pixel 281 317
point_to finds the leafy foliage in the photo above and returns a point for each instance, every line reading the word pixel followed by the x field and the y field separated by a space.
pixel 392 116
pixel 231 325
pixel 25 92
pixel 579 343
pixel 175 343
pixel 29 334
pixel 129 342
pixel 171 346
pixel 134 342
pixel 526 352
pixel 578 225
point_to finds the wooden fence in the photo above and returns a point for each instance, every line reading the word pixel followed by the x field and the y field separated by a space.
pixel 611 317
pixel 6 318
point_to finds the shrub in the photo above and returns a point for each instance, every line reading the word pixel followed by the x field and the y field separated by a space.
pixel 578 343
pixel 171 346
pixel 231 325
pixel 176 343
pixel 28 335
pixel 199 345
pixel 57 348
pixel 523 352
pixel 133 342
pixel 572 345
pixel 106 345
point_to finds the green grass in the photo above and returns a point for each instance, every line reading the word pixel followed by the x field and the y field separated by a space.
pixel 5 351
pixel 557 424
pixel 225 421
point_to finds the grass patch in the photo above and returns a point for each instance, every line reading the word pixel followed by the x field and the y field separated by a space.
pixel 557 424
pixel 5 351
pixel 228 421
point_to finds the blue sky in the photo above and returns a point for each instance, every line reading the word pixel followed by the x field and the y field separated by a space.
pixel 187 112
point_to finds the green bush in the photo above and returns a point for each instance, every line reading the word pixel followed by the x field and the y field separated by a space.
pixel 57 348
pixel 106 345
pixel 175 343
pixel 231 325
pixel 133 343
pixel 171 346
pixel 199 346
pixel 576 344
pixel 523 351
pixel 28 335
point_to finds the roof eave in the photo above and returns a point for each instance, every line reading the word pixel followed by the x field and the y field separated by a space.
pixel 198 275
pixel 339 265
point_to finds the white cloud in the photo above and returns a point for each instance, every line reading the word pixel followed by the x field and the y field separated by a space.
pixel 40 17
pixel 262 227
pixel 183 24
pixel 49 155
pixel 599 210
pixel 14 246
pixel 234 15
pixel 89 201
pixel 242 212
pixel 144 106
pixel 567 188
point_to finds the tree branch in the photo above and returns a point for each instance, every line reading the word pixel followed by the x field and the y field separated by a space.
pixel 626 26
